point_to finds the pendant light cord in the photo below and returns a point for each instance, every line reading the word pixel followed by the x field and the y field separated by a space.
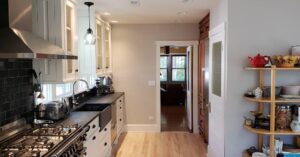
pixel 89 18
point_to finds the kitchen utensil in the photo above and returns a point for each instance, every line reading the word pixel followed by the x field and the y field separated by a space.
pixel 41 111
pixel 291 90
pixel 57 110
pixel 107 81
pixel 258 61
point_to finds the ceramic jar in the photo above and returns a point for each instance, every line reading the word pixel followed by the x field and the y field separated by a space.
pixel 258 92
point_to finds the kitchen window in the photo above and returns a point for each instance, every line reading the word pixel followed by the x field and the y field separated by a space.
pixel 172 68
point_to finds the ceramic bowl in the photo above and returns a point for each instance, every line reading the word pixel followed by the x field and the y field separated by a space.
pixel 290 90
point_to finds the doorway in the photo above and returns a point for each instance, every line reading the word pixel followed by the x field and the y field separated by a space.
pixel 177 109
pixel 173 85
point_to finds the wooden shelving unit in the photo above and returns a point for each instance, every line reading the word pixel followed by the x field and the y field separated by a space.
pixel 272 101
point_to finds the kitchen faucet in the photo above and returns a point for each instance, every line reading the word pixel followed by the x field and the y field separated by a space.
pixel 74 100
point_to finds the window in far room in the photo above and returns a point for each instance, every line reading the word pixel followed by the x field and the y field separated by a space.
pixel 178 68
pixel 172 68
pixel 163 68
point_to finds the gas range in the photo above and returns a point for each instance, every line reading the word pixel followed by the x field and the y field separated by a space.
pixel 46 141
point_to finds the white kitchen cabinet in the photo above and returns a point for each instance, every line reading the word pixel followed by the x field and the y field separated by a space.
pixel 95 60
pixel 55 21
pixel 98 143
pixel 120 116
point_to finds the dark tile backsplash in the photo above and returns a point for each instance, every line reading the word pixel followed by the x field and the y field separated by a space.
pixel 16 90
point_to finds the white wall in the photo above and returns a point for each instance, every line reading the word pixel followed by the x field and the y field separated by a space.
pixel 20 14
pixel 134 62
pixel 266 26
pixel 219 13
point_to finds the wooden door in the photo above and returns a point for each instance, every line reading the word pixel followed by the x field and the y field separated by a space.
pixel 202 93
pixel 202 78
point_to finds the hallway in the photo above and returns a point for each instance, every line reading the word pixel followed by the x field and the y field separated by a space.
pixel 166 144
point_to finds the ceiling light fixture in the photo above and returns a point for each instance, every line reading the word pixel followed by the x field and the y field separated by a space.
pixel 89 37
pixel 135 3
pixel 182 13
pixel 106 13
pixel 114 21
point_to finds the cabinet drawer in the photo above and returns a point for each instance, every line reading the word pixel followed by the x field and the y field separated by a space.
pixel 94 126
pixel 106 131
pixel 105 145
pixel 120 100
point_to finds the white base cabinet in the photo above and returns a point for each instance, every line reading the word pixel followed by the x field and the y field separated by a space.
pixel 120 116
pixel 98 143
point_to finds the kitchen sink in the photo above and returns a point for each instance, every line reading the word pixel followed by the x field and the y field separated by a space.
pixel 104 109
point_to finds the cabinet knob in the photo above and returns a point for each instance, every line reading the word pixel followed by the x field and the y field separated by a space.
pixel 94 137
pixel 76 70
pixel 120 107
pixel 94 126
pixel 105 129
pixel 98 68
pixel 105 144
pixel 120 120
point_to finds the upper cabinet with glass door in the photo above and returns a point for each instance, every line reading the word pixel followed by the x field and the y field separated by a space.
pixel 55 21
pixel 99 47
pixel 107 42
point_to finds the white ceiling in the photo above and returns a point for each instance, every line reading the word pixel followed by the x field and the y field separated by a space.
pixel 153 11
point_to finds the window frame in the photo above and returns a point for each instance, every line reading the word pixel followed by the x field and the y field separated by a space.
pixel 170 68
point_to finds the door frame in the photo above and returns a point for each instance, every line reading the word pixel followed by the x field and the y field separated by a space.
pixel 194 44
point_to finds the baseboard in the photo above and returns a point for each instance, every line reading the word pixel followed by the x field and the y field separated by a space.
pixel 142 128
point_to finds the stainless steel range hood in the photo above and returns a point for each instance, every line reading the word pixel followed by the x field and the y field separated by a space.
pixel 18 44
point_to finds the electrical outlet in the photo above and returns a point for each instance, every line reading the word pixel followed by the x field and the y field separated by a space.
pixel 151 118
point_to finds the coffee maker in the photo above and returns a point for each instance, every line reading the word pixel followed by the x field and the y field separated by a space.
pixel 104 85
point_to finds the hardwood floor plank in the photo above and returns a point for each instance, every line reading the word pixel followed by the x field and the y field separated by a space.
pixel 165 144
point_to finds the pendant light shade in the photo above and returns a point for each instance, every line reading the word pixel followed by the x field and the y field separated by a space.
pixel 89 37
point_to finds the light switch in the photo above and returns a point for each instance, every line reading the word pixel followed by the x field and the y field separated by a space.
pixel 151 83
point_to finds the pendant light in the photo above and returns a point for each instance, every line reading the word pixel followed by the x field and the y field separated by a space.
pixel 89 37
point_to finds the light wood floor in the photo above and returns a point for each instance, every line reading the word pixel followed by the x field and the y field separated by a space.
pixel 165 144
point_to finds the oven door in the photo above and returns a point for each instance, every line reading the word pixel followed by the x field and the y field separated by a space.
pixel 113 122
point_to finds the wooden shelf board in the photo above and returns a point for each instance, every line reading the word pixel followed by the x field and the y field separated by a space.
pixel 267 132
pixel 252 68
pixel 278 100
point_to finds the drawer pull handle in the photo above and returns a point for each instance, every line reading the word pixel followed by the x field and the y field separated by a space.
pixel 105 144
pixel 94 126
pixel 94 137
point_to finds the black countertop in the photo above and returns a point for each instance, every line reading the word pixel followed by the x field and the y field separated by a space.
pixel 82 118
pixel 106 99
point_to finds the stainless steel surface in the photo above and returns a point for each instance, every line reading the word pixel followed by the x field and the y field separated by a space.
pixel 73 95
pixel 107 81
pixel 56 110
pixel 12 129
pixel 24 45
pixel 46 141
pixel 113 122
